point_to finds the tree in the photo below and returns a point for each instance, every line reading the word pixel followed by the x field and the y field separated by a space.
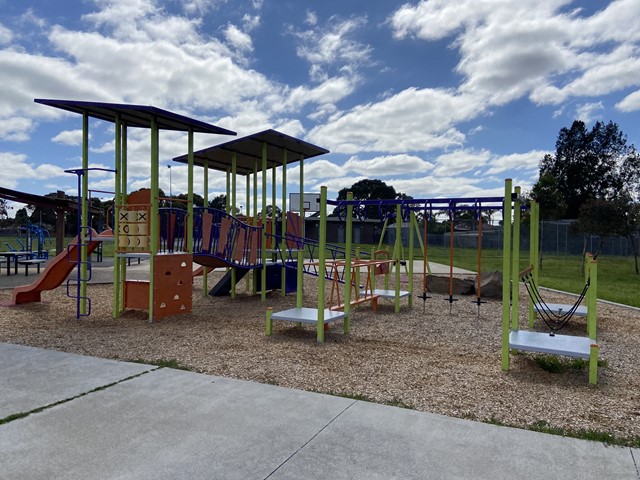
pixel 219 202
pixel 22 217
pixel 629 223
pixel 587 165
pixel 270 210
pixel 547 194
pixel 4 208
pixel 371 190
pixel 597 217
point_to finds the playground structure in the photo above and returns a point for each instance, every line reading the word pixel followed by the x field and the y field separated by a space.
pixel 403 210
pixel 30 233
pixel 173 237
pixel 59 204
pixel 136 226
pixel 541 342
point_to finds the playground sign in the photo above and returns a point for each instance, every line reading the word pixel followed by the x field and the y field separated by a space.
pixel 311 202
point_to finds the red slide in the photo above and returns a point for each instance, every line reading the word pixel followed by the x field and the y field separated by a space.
pixel 53 276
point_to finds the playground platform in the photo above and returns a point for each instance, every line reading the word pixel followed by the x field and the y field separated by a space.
pixel 97 418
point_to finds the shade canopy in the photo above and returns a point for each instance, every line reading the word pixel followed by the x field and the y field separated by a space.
pixel 249 149
pixel 136 115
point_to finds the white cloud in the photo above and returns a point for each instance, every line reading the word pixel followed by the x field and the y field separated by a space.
pixel 513 49
pixel 413 120
pixel 238 39
pixel 14 167
pixel 630 103
pixel 517 162
pixel 250 22
pixel 588 112
pixel 460 161
pixel 15 129
pixel 388 165
pixel 311 19
pixel 332 46
pixel 6 35
pixel 69 137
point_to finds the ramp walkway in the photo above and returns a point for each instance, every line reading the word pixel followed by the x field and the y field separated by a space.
pixel 96 418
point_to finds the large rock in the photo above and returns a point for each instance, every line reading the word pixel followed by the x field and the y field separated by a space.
pixel 490 285
pixel 439 284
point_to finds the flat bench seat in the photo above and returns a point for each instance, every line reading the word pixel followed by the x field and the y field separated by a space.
pixel 560 309
pixel 33 261
pixel 541 342
pixel 387 293
pixel 307 315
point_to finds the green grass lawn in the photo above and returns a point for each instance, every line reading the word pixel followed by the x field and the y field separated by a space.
pixel 617 280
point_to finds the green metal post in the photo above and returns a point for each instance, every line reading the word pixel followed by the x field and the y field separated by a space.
pixel 384 229
pixel 189 222
pixel 123 197
pixel 412 221
pixel 302 234
pixel 254 287
pixel 506 277
pixel 347 264
pixel 263 270
pixel 247 215
pixel 153 224
pixel 373 277
pixel 85 214
pixel 300 279
pixel 398 249
pixel 592 295
pixel 234 166
pixel 269 313
pixel 533 253
pixel 227 205
pixel 283 248
pixel 205 187
pixel 593 363
pixel 322 264
pixel 515 267
pixel 116 220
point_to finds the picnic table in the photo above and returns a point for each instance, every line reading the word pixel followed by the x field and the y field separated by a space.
pixel 15 256
pixel 31 261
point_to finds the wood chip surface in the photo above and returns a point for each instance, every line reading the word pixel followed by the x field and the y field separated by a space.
pixel 435 361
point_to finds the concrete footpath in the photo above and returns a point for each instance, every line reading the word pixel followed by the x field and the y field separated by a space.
pixel 105 419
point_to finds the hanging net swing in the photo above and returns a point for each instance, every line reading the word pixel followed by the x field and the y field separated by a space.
pixel 554 316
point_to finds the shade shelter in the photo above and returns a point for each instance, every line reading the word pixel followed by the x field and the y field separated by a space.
pixel 250 156
pixel 125 116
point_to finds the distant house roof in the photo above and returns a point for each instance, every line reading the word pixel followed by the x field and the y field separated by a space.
pixel 248 150
pixel 136 115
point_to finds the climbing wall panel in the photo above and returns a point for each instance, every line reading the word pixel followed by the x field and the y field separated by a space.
pixel 172 288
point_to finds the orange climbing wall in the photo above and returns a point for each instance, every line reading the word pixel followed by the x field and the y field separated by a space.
pixel 172 287
pixel 172 275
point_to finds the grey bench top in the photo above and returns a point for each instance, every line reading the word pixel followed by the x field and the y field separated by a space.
pixel 307 315
pixel 32 261
pixel 560 309
pixel 542 342
pixel 386 293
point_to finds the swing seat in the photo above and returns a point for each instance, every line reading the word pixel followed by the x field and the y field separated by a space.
pixel 560 309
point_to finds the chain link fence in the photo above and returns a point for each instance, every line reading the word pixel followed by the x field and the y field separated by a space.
pixel 555 238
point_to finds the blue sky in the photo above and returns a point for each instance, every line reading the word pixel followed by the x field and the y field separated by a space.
pixel 436 98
